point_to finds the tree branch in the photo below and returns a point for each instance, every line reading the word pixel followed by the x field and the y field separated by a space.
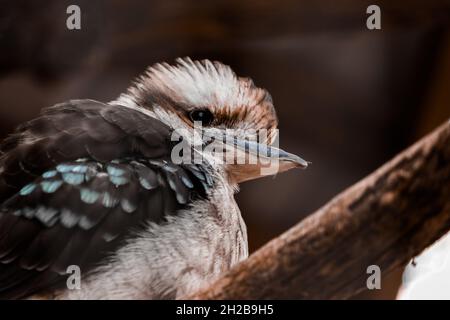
pixel 385 219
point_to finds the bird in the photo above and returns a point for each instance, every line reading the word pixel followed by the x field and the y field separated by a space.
pixel 96 185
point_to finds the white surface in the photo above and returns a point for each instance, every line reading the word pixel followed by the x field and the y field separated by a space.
pixel 430 277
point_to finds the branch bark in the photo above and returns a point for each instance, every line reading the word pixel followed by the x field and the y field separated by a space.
pixel 385 220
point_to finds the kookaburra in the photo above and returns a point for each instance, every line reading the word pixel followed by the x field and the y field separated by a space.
pixel 95 185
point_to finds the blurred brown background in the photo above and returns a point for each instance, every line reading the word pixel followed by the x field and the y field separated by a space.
pixel 348 98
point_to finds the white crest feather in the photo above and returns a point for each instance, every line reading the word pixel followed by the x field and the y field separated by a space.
pixel 196 83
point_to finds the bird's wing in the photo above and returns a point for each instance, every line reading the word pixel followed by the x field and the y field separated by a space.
pixel 78 181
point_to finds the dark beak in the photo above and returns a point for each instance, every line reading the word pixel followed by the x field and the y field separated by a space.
pixel 261 160
pixel 261 150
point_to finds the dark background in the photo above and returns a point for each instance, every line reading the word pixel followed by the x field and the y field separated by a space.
pixel 348 98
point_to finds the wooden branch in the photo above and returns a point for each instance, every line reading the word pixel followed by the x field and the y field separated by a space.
pixel 385 219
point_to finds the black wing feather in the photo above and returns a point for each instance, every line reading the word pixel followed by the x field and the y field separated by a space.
pixel 76 182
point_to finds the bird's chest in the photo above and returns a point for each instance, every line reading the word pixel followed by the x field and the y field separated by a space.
pixel 217 241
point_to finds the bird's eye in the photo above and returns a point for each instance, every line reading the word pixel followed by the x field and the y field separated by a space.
pixel 204 116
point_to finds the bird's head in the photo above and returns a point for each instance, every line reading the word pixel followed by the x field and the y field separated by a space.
pixel 225 119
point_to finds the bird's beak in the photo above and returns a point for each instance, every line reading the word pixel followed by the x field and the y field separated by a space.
pixel 254 160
